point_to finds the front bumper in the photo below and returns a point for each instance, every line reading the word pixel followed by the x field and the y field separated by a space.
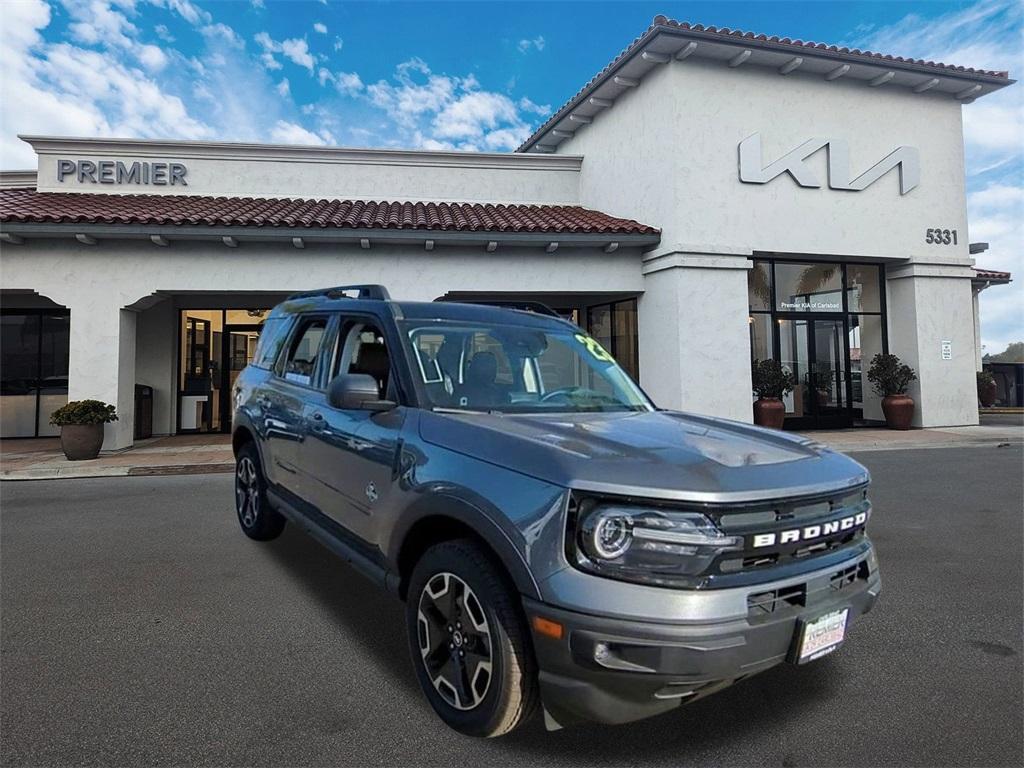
pixel 615 670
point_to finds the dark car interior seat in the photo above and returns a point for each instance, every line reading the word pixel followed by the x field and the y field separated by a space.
pixel 372 359
pixel 480 387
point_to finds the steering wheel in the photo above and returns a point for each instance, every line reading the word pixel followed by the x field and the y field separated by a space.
pixel 564 393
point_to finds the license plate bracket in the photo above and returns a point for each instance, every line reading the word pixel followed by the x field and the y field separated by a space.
pixel 819 636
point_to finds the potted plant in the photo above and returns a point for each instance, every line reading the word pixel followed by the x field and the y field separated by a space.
pixel 987 389
pixel 81 427
pixel 771 382
pixel 890 377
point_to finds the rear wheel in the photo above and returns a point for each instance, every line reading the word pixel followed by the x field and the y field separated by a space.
pixel 258 520
pixel 469 642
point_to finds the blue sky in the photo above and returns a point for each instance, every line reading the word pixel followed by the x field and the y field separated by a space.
pixel 475 76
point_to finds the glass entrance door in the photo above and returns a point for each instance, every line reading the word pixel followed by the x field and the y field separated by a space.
pixel 237 352
pixel 814 350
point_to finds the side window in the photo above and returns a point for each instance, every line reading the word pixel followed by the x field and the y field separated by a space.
pixel 300 362
pixel 272 337
pixel 362 349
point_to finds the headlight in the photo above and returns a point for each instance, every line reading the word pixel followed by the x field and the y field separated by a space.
pixel 646 544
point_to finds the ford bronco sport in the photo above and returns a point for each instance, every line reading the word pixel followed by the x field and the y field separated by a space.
pixel 557 539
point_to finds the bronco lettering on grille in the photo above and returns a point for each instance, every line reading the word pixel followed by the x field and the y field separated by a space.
pixel 810 532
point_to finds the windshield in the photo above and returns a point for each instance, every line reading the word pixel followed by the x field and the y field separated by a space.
pixel 517 369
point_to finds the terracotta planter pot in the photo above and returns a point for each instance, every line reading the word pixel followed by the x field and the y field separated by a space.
pixel 769 412
pixel 987 394
pixel 81 441
pixel 898 410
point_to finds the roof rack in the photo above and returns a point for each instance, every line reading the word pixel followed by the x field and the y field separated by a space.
pixel 369 291
pixel 537 307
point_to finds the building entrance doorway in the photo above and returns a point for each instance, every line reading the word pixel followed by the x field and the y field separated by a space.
pixel 215 346
pixel 237 352
pixel 814 350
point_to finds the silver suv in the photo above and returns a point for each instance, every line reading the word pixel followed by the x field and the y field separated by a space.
pixel 558 540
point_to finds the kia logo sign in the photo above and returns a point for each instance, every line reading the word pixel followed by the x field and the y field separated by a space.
pixel 754 171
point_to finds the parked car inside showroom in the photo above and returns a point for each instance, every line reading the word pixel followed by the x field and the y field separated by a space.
pixel 560 542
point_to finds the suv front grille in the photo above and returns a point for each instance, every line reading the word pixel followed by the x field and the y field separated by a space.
pixel 763 604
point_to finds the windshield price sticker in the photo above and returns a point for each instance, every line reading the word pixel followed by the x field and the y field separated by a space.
pixel 594 348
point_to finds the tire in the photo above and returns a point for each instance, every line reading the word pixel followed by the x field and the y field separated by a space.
pixel 258 520
pixel 491 687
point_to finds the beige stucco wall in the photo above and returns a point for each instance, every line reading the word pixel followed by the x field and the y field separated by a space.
pixel 120 337
pixel 666 153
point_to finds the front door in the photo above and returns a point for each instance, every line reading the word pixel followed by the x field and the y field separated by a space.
pixel 237 349
pixel 814 350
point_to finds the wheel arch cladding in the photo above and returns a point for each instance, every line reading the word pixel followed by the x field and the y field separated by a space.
pixel 240 437
pixel 457 521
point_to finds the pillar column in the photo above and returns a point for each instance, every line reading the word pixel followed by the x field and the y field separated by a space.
pixel 101 364
pixel 694 334
pixel 931 328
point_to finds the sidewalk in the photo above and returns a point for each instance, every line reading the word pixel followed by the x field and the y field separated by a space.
pixel 869 439
pixel 42 459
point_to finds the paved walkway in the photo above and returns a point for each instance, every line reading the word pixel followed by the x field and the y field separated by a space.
pixel 42 459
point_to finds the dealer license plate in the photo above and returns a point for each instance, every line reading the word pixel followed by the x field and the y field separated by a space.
pixel 822 636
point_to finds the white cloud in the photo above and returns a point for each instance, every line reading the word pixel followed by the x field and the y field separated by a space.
pixel 188 10
pixel 435 111
pixel 338 43
pixel 163 33
pixel 527 105
pixel 284 132
pixel 298 51
pixel 258 4
pixel 348 83
pixel 294 49
pixel 526 45
pixel 283 88
pixel 320 27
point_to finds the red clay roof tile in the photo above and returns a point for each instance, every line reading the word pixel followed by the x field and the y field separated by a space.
pixel 28 205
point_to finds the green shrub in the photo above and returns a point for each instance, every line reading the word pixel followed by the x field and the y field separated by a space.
pixel 83 412
pixel 771 379
pixel 985 379
pixel 889 375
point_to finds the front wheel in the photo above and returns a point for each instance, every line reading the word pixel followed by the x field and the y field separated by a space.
pixel 469 641
pixel 258 520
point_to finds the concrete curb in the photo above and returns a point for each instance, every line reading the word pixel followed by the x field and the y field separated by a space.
pixel 917 446
pixel 77 473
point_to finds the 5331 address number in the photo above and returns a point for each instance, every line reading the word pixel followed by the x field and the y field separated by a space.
pixel 940 236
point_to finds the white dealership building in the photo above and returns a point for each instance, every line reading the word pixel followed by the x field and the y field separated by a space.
pixel 709 198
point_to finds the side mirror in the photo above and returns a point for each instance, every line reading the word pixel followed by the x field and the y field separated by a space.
pixel 356 392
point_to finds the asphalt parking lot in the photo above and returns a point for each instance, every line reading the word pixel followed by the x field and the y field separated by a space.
pixel 140 627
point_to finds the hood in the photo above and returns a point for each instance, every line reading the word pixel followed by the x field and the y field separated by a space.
pixel 658 454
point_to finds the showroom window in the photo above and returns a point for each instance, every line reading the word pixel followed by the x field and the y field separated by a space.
pixel 824 321
pixel 34 349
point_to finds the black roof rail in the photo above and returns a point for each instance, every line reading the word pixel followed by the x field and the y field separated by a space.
pixel 537 307
pixel 369 291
